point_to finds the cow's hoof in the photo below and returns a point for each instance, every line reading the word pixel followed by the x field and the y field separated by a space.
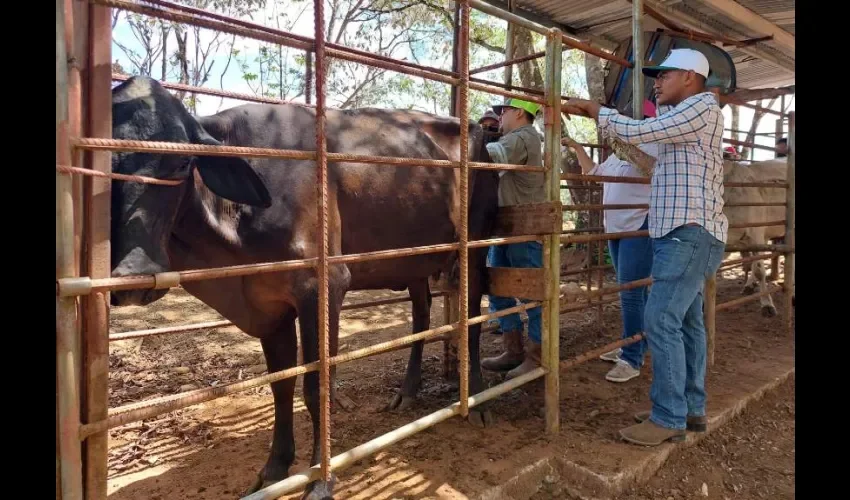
pixel 259 483
pixel 400 402
pixel 320 490
pixel 768 311
pixel 748 290
pixel 480 419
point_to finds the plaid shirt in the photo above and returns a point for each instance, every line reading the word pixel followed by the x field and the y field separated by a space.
pixel 687 185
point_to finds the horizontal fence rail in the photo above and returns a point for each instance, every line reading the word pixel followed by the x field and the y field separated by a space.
pixel 69 286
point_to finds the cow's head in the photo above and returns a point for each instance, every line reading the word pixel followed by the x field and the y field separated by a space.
pixel 143 214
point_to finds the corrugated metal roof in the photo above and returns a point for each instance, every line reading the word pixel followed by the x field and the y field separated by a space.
pixel 609 22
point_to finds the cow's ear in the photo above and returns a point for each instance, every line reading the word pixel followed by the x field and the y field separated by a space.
pixel 231 177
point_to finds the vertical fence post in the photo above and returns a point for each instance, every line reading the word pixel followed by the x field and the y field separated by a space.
pixel 96 208
pixel 509 48
pixel 322 180
pixel 790 225
pixel 463 114
pixel 709 312
pixel 67 347
pixel 637 56
pixel 551 244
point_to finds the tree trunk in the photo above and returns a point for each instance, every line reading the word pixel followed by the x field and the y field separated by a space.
pixel 530 75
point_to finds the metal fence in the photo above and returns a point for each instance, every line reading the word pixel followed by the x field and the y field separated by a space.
pixel 83 183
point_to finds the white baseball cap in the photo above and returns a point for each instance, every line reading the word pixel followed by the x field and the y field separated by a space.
pixel 686 59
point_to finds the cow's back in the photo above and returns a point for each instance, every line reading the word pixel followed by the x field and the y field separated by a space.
pixel 372 207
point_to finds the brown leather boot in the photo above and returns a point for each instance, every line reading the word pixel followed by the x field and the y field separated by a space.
pixel 513 355
pixel 532 361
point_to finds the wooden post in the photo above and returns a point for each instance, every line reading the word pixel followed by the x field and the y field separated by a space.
pixel 94 31
pixel 790 226
pixel 709 313
pixel 550 328
pixel 69 456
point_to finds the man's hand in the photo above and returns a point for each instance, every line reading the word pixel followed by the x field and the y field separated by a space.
pixel 567 141
pixel 586 108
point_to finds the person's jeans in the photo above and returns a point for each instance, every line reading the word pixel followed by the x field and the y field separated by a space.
pixel 528 254
pixel 682 260
pixel 632 259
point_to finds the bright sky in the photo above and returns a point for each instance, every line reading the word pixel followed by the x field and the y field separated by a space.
pixel 297 17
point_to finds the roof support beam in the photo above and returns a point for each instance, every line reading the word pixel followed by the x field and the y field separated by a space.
pixel 745 16
pixel 549 23
pixel 673 14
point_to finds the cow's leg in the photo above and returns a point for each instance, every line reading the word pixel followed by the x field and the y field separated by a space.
pixel 479 416
pixel 750 284
pixel 420 298
pixel 308 315
pixel 281 352
pixel 767 308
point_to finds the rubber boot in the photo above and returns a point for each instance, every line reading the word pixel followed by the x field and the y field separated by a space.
pixel 513 355
pixel 532 361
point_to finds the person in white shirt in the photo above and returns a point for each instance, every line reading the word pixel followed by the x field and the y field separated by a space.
pixel 632 257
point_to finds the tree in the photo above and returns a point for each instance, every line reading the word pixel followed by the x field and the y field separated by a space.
pixel 193 58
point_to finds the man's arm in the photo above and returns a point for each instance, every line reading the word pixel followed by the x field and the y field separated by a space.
pixel 509 149
pixel 584 161
pixel 681 124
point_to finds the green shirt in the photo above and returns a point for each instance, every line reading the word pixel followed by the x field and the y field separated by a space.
pixel 521 146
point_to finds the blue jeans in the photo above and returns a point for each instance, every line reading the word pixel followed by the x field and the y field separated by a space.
pixel 528 254
pixel 632 259
pixel 682 260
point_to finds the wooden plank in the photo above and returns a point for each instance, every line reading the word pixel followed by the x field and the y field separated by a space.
pixel 520 283
pixel 96 36
pixel 537 218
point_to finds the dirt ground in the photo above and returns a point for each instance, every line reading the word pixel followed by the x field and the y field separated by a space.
pixel 214 449
pixel 751 457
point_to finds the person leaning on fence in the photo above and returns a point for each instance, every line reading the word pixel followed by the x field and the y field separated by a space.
pixel 688 231
pixel 631 257
pixel 520 144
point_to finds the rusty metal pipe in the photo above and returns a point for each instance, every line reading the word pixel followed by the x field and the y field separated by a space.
pixel 614 206
pixel 585 238
pixel 95 144
pixel 755 204
pixel 217 324
pixel 305 39
pixel 262 33
pixel 595 353
pixel 150 408
pixel 588 305
pixel 749 298
pixel 605 178
pixel 757 224
pixel 777 185
pixel 85 286
pixel 753 145
pixel 736 262
pixel 372 447
pixel 755 248
pixel 530 57
pixel 210 91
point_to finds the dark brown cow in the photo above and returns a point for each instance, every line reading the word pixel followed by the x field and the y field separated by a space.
pixel 232 211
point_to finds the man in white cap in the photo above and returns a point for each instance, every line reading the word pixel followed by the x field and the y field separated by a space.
pixel 688 231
